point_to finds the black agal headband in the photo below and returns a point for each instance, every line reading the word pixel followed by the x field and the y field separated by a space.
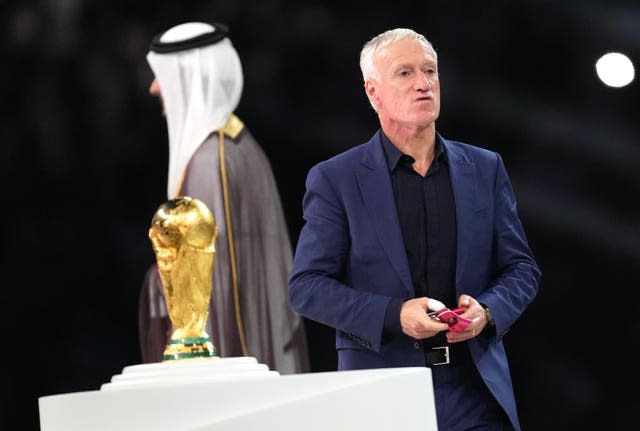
pixel 220 31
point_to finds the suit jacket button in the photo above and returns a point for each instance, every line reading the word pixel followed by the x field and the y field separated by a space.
pixel 416 345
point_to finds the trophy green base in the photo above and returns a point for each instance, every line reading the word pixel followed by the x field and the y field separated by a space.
pixel 189 348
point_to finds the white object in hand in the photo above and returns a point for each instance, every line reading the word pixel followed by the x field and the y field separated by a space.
pixel 435 305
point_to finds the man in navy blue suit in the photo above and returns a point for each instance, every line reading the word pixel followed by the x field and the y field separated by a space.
pixel 405 222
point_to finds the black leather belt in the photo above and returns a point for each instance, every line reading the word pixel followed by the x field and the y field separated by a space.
pixel 437 356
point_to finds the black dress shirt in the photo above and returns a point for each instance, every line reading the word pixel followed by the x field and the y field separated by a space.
pixel 426 212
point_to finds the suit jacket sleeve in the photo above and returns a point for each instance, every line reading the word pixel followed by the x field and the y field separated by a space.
pixel 516 274
pixel 319 287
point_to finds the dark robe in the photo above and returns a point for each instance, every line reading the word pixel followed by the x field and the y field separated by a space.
pixel 274 333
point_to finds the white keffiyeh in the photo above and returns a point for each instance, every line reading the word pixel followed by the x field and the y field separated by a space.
pixel 201 87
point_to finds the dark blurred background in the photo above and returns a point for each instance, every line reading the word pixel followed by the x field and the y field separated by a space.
pixel 84 165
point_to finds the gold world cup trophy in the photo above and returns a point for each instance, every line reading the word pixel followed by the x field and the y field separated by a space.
pixel 183 234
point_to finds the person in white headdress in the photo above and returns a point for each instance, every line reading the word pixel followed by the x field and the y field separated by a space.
pixel 214 158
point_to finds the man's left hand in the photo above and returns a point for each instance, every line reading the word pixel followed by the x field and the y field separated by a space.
pixel 474 312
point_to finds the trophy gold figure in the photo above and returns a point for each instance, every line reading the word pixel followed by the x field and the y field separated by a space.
pixel 183 234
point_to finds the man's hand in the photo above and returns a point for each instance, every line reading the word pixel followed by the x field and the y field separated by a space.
pixel 415 322
pixel 475 313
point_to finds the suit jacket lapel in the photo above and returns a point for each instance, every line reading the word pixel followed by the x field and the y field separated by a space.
pixel 377 194
pixel 463 183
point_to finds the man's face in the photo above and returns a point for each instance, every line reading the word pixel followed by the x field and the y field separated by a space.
pixel 154 90
pixel 407 92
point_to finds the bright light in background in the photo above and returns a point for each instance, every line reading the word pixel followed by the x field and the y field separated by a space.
pixel 615 69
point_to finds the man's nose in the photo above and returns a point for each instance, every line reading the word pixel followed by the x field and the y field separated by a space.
pixel 154 88
pixel 422 82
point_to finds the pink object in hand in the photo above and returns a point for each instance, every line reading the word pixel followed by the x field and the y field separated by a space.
pixel 452 318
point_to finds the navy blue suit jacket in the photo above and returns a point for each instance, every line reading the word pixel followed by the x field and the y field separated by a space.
pixel 350 258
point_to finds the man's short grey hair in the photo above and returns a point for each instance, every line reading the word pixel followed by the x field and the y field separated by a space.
pixel 375 45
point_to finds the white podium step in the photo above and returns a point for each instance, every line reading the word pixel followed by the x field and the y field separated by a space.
pixel 200 397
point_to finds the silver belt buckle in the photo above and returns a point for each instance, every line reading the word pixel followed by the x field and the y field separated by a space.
pixel 447 358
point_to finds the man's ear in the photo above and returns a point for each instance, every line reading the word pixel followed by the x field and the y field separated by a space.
pixel 371 91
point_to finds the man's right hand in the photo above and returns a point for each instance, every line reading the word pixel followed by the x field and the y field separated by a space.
pixel 415 322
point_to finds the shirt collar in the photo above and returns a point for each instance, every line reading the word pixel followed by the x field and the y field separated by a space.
pixel 393 154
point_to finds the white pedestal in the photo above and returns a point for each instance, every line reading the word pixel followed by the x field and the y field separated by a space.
pixel 238 394
pixel 194 371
